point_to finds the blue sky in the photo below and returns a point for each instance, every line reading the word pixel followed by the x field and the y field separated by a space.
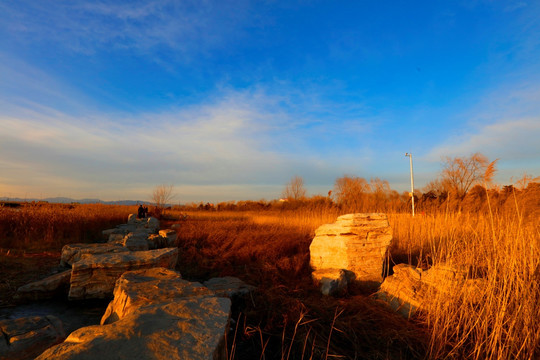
pixel 228 100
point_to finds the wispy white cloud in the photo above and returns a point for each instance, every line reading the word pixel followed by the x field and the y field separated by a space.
pixel 504 125
pixel 236 139
pixel 184 27
pixel 510 140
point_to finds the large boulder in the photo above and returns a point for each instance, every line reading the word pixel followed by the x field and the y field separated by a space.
pixel 165 238
pixel 136 241
pixel 132 219
pixel 149 225
pixel 170 234
pixel 154 315
pixel 135 289
pixel 26 338
pixel 332 281
pixel 74 252
pixel 403 290
pixel 156 241
pixel 95 275
pixel 356 243
pixel 56 285
pixel 410 289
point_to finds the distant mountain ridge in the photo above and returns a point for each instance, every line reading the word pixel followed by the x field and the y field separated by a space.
pixel 66 200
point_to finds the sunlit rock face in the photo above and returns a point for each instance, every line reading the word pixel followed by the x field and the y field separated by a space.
pixel 154 315
pixel 135 289
pixel 410 289
pixel 170 235
pixel 356 243
pixel 403 290
pixel 149 225
pixel 94 276
pixel 73 252
pixel 25 338
pixel 136 241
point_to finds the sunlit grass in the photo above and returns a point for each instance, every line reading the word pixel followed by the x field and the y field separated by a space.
pixel 270 248
pixel 498 248
pixel 501 251
pixel 50 226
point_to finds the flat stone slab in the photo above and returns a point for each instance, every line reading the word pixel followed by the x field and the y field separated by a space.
pixel 74 252
pixel 154 315
pixel 135 289
pixel 48 288
pixel 95 275
pixel 26 338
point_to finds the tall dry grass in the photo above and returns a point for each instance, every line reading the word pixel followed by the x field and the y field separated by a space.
pixel 38 226
pixel 498 320
pixel 287 317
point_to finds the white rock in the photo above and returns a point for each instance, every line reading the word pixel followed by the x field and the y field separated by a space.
pixel 355 242
pixel 95 275
pixel 154 315
pixel 74 252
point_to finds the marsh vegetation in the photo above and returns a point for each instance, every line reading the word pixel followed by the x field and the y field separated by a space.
pixel 267 244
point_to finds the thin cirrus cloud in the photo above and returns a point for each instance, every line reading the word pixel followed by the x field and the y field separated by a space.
pixel 504 125
pixel 87 27
pixel 240 138
pixel 229 99
pixel 53 140
pixel 509 140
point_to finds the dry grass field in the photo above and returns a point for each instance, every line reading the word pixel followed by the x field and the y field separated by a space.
pixel 288 318
pixel 43 226
pixel 272 250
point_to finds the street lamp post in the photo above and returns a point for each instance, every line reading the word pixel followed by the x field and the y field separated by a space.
pixel 412 182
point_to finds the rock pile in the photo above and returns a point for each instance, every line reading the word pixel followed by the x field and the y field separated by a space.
pixel 354 247
pixel 139 244
pixel 26 338
pixel 95 275
pixel 410 289
pixel 154 314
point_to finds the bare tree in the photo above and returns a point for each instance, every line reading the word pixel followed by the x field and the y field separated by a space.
pixel 525 180
pixel 380 189
pixel 294 189
pixel 161 196
pixel 350 192
pixel 459 174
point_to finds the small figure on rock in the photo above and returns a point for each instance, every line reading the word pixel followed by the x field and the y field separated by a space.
pixel 146 211
pixel 140 212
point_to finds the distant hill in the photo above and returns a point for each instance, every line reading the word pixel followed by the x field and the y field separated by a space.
pixel 65 200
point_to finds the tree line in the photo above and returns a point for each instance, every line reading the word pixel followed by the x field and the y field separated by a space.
pixel 464 184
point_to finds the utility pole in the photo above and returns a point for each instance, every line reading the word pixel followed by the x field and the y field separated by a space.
pixel 412 182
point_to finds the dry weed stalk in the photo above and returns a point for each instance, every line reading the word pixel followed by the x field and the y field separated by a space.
pixel 499 320
pixel 38 226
